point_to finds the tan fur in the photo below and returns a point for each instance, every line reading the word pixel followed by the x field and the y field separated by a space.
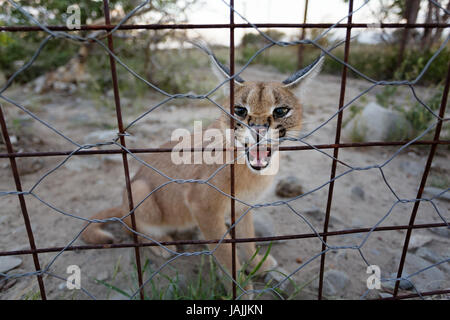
pixel 179 206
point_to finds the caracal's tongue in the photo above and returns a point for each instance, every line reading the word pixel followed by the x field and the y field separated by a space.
pixel 260 154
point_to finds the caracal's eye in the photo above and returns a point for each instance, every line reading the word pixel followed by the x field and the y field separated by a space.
pixel 240 111
pixel 280 112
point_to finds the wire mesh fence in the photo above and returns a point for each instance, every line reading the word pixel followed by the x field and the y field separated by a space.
pixel 54 32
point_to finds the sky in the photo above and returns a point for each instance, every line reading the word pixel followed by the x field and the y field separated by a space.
pixel 278 11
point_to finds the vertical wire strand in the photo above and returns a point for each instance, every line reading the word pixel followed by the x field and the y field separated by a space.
pixel 336 150
pixel 23 205
pixel 423 181
pixel 122 142
pixel 232 167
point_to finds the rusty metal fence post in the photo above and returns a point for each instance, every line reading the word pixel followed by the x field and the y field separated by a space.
pixel 232 165
pixel 336 141
pixel 115 82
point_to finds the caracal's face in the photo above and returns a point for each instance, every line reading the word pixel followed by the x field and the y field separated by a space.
pixel 268 112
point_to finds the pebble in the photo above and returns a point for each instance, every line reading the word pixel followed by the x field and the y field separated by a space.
pixel 427 280
pixel 8 263
pixel 30 165
pixel 429 255
pixel 434 192
pixel 339 279
pixel 441 231
pixel 5 285
pixel 417 241
pixel 385 295
pixel 412 168
pixel 334 283
pixel 102 276
pixel 276 277
pixel 79 164
pixel 357 193
pixel 390 285
pixel 319 215
pixel 264 227
pixel 112 158
pixel 182 288
pixel 289 187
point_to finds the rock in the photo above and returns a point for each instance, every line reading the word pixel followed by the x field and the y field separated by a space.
pixel 417 241
pixel 100 136
pixel 81 118
pixel 319 216
pixel 357 223
pixel 371 295
pixel 80 163
pixel 390 285
pixel 339 279
pixel 13 139
pixel 289 187
pixel 64 86
pixel 112 158
pixel 428 280
pixel 434 192
pixel 341 256
pixel 441 231
pixel 328 289
pixel 313 212
pixel 334 283
pixel 8 263
pixel 39 84
pixel 375 252
pixel 181 288
pixel 274 278
pixel 429 255
pixel 385 295
pixel 375 123
pixel 264 226
pixel 5 285
pixel 29 165
pixel 357 193
pixel 102 276
pixel 412 168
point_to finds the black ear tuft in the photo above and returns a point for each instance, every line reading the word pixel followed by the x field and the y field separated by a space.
pixel 224 70
pixel 304 74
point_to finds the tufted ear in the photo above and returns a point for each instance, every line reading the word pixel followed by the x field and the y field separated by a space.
pixel 221 71
pixel 303 76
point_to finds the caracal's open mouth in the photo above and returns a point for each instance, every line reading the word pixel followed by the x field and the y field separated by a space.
pixel 258 156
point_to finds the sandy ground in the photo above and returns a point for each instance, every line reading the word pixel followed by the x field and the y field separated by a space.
pixel 88 184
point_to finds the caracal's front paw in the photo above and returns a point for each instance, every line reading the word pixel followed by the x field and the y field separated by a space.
pixel 161 252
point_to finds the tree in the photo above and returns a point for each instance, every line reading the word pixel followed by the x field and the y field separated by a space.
pixel 18 47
